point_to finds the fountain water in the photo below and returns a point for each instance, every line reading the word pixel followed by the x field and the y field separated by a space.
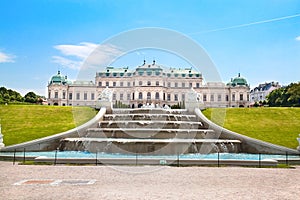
pixel 150 131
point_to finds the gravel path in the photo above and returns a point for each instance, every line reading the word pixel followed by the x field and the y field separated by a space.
pixel 147 182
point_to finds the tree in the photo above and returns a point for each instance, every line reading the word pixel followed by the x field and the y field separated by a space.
pixel 294 94
pixel 285 96
pixel 8 95
pixel 31 97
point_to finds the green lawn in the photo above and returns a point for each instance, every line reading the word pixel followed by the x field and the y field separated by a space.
pixel 276 125
pixel 21 123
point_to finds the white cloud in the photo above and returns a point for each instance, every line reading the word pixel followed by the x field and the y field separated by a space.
pixel 4 58
pixel 65 62
pixel 85 55
pixel 298 38
pixel 82 50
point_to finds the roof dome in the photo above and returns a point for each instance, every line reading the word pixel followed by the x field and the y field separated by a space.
pixel 238 81
pixel 59 79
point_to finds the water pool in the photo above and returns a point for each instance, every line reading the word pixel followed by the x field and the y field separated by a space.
pixel 213 156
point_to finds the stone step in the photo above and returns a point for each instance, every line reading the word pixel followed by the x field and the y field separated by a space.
pixel 150 133
pixel 140 140
pixel 146 116
pixel 149 146
pixel 151 124
pixel 150 110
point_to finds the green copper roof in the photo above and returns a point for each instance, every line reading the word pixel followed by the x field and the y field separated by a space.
pixel 238 81
pixel 59 79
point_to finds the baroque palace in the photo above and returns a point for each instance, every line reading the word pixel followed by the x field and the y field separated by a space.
pixel 148 84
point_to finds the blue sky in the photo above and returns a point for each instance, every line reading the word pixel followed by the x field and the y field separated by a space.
pixel 259 39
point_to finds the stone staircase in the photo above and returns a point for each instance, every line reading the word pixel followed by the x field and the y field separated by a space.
pixel 150 131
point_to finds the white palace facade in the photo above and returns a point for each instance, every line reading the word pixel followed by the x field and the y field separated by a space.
pixel 147 84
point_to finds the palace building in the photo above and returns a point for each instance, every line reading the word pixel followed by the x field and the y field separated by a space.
pixel 148 84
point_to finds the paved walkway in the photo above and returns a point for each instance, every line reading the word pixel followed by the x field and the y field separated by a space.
pixel 146 182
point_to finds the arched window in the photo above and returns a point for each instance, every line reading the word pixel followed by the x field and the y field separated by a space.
pixel 140 95
pixel 156 95
pixel 148 95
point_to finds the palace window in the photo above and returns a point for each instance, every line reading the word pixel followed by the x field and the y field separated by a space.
pixel 157 83
pixel 128 96
pixel 183 97
pixel 149 72
pixel 148 95
pixel 92 96
pixel 157 95
pixel 141 73
pixel 77 96
pixel 128 84
pixel 140 82
pixel 204 97
pixel 148 83
pixel 169 84
pixel 176 97
pixel 191 85
pixel 176 84
pixel 85 96
pixel 121 96
pixel 219 97
pixel 183 85
pixel 100 84
pixel 114 96
pixel 70 96
pixel 114 84
pixel 233 97
pixel 168 97
pixel 121 84
pixel 197 85
pixel 241 97
pixel 227 97
pixel 107 83
pixel 212 97
pixel 64 95
pixel 56 95
pixel 140 95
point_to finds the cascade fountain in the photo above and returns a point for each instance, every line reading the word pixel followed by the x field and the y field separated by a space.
pixel 151 130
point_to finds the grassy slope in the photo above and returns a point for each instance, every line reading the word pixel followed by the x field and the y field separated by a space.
pixel 24 123
pixel 276 125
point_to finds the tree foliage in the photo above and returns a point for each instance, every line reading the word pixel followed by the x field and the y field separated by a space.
pixel 11 96
pixel 285 96
pixel 8 95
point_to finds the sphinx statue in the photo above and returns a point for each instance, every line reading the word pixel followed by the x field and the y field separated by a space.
pixel 106 95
